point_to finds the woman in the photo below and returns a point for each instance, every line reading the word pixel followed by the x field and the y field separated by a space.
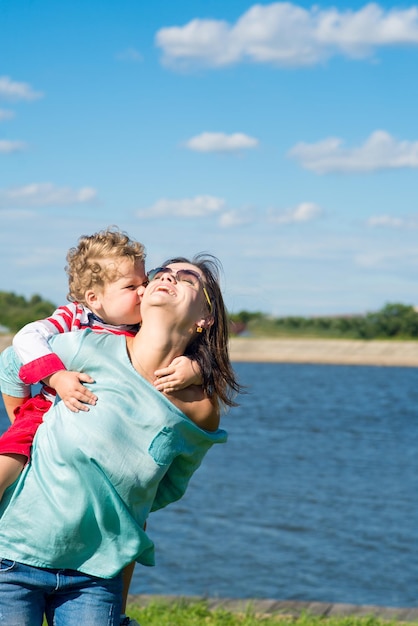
pixel 75 517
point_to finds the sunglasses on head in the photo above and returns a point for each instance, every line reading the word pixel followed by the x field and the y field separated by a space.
pixel 181 276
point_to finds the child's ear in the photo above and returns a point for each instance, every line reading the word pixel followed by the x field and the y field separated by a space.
pixel 91 298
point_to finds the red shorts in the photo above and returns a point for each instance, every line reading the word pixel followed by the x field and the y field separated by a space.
pixel 19 437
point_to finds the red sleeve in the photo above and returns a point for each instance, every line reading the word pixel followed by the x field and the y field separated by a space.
pixel 39 369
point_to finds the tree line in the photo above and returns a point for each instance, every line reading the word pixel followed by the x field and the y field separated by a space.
pixel 16 311
pixel 394 320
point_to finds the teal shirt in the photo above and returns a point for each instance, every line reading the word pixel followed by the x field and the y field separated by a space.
pixel 94 477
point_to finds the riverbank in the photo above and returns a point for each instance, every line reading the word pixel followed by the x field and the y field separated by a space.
pixel 332 351
pixel 5 340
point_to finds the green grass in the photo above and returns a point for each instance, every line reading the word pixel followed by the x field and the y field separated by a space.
pixel 158 613
pixel 184 613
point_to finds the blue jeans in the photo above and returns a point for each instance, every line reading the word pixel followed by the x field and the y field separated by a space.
pixel 65 597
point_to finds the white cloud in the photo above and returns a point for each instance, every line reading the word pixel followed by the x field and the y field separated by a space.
pixel 199 206
pixel 285 34
pixel 16 214
pixel 379 151
pixel 234 218
pixel 400 259
pixel 304 212
pixel 220 142
pixel 389 221
pixel 130 54
pixel 36 257
pixel 43 195
pixel 7 146
pixel 12 90
pixel 5 114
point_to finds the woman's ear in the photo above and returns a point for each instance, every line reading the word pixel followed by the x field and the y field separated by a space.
pixel 204 323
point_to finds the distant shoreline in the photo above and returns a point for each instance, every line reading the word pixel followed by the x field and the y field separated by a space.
pixel 332 351
pixel 5 340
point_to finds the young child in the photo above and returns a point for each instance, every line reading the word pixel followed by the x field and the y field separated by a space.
pixel 106 274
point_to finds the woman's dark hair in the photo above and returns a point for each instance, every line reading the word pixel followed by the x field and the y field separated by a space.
pixel 210 349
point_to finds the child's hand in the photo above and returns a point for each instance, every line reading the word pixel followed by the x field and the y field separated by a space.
pixel 181 373
pixel 72 392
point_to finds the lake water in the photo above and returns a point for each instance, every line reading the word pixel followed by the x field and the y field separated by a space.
pixel 314 497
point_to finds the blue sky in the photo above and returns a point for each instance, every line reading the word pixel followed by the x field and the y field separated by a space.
pixel 281 137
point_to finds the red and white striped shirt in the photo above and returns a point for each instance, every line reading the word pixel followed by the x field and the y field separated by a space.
pixel 31 342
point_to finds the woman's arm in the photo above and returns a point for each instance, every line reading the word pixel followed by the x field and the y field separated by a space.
pixel 193 401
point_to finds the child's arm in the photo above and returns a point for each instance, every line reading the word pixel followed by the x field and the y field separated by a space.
pixel 32 347
pixel 182 372
pixel 40 363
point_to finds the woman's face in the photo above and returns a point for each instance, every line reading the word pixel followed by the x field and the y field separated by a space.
pixel 180 287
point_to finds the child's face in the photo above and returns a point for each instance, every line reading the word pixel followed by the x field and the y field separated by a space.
pixel 120 301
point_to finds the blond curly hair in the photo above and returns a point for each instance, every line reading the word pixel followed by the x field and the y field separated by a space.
pixel 88 264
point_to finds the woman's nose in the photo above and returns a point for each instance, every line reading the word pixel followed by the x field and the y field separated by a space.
pixel 168 276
